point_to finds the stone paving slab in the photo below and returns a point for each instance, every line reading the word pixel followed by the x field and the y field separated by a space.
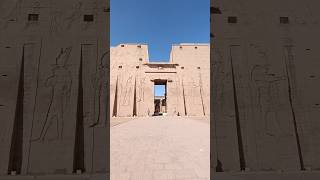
pixel 156 148
pixel 116 121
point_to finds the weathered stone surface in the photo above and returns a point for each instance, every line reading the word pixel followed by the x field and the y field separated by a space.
pixel 186 76
pixel 54 62
pixel 264 87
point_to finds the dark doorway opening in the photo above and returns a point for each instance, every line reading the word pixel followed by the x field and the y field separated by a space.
pixel 160 97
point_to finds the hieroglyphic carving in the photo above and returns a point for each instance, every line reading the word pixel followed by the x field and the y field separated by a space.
pixel 267 87
pixel 60 83
pixel 56 22
pixel 99 85
pixel 74 15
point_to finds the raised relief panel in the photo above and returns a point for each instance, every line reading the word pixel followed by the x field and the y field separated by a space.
pixel 54 126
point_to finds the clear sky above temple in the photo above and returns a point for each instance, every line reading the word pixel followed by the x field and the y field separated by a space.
pixel 159 23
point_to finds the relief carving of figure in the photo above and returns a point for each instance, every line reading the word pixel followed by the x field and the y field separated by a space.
pixel 127 92
pixel 60 83
pixel 99 83
pixel 73 16
pixel 267 87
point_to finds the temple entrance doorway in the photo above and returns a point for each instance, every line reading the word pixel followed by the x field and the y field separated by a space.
pixel 160 97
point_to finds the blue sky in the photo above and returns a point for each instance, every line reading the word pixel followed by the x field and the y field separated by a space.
pixel 159 23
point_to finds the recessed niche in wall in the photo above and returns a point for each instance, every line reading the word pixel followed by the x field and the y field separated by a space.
pixel 88 18
pixel 120 67
pixel 215 10
pixel 232 19
pixel 284 20
pixel 33 17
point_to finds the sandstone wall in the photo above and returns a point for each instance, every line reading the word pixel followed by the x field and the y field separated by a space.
pixel 265 85
pixel 194 71
pixel 54 62
pixel 133 76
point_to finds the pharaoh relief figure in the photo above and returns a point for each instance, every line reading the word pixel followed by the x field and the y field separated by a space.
pixel 59 83
pixel 266 85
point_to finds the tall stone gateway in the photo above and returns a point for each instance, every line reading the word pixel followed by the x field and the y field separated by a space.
pixel 265 89
pixel 185 77
pixel 54 66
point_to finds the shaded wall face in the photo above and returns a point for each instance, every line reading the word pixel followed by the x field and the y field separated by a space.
pixel 264 86
pixel 187 89
pixel 55 65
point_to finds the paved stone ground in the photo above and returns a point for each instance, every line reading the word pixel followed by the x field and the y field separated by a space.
pixel 155 148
